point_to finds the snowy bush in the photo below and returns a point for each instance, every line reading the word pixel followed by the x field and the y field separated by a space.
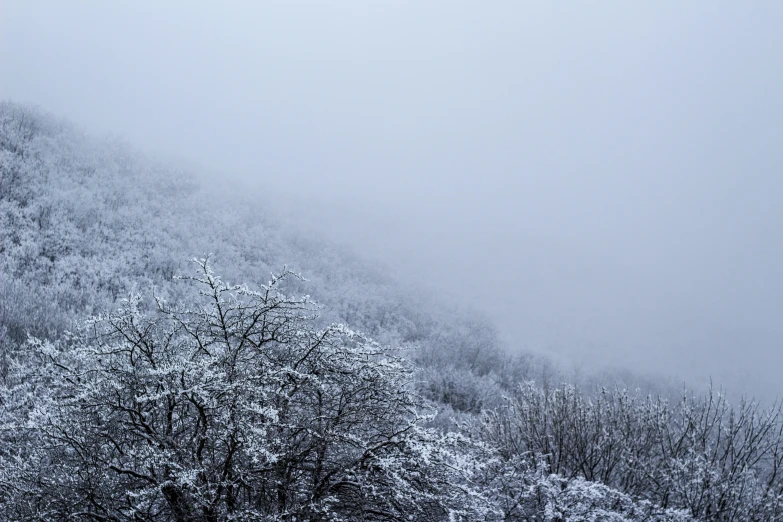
pixel 699 455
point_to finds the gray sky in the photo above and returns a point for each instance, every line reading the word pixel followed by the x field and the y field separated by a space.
pixel 604 178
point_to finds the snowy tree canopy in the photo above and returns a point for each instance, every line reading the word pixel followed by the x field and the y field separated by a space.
pixel 230 408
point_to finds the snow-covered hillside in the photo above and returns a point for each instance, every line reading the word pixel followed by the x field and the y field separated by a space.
pixel 127 393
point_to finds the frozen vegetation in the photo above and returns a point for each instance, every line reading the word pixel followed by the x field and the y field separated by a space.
pixel 140 384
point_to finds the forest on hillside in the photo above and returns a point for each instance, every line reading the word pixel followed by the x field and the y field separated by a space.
pixel 171 351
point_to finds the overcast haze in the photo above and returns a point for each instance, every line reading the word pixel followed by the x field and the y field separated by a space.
pixel 604 180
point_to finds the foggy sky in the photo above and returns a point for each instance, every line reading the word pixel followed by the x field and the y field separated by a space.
pixel 604 179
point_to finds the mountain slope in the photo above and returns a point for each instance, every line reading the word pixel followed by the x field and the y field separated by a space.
pixel 83 221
